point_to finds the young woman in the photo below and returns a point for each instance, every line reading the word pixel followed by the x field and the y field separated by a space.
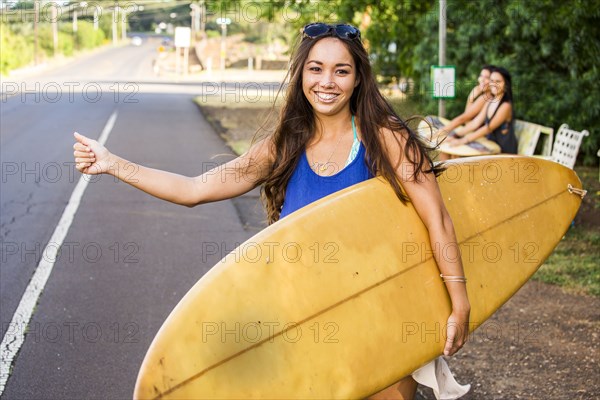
pixel 335 130
pixel 476 100
pixel 495 121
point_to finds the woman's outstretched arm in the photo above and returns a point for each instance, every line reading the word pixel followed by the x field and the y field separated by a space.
pixel 229 180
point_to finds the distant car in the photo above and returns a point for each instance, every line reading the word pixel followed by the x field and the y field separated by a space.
pixel 136 41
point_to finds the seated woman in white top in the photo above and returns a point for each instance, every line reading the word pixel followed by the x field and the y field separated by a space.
pixel 476 100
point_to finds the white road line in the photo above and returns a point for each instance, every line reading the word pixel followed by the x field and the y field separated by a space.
pixel 15 334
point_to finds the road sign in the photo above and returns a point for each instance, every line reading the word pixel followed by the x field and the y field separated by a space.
pixel 183 36
pixel 443 81
pixel 223 21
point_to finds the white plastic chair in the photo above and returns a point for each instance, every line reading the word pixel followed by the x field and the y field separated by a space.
pixel 566 145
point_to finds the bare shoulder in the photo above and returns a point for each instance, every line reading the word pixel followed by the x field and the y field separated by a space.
pixel 393 142
pixel 406 153
pixel 474 94
pixel 507 106
pixel 504 111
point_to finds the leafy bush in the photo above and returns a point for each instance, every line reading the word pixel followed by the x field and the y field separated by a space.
pixel 87 37
pixel 65 40
pixel 17 40
pixel 15 51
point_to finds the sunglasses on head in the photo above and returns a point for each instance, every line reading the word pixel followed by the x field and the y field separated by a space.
pixel 342 31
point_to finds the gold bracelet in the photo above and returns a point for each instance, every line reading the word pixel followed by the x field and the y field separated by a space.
pixel 453 278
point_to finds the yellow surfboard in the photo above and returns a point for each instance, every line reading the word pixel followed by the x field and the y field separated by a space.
pixel 343 297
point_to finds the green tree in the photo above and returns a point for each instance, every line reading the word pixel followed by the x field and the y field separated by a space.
pixel 551 48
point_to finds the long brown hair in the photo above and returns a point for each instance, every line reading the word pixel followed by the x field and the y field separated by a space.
pixel 297 125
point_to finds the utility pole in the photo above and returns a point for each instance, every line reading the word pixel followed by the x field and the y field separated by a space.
pixel 223 44
pixel 124 24
pixel 74 20
pixel 202 16
pixel 75 41
pixel 442 50
pixel 36 20
pixel 197 19
pixel 55 28
pixel 223 22
pixel 114 25
pixel 193 13
pixel 196 13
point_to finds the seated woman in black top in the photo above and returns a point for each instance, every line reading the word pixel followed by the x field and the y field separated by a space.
pixel 495 121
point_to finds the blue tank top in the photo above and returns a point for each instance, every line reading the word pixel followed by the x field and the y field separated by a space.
pixel 306 186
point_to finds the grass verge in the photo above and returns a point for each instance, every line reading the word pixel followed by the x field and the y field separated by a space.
pixel 574 264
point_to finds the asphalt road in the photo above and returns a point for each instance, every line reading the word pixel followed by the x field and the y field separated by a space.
pixel 127 258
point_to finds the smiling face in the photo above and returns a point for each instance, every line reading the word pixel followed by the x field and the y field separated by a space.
pixel 497 84
pixel 329 77
pixel 484 79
